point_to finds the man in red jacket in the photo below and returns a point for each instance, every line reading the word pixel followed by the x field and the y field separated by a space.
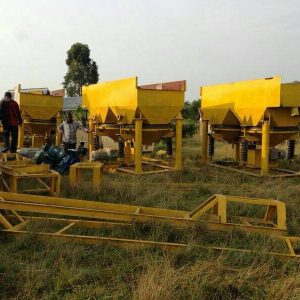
pixel 11 119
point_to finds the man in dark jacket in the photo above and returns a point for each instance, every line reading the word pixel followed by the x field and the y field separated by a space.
pixel 11 119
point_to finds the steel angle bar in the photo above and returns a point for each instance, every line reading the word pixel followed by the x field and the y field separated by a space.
pixel 284 173
pixel 128 213
pixel 121 242
pixel 80 222
pixel 142 244
pixel 131 217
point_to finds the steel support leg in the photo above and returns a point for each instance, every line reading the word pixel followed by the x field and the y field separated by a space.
pixel 13 184
pixel 21 135
pixel 58 135
pixel 204 137
pixel 138 146
pixel 178 150
pixel 97 176
pixel 237 152
pixel 90 139
pixel 265 149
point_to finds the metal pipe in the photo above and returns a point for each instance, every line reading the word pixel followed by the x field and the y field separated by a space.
pixel 138 146
pixel 265 148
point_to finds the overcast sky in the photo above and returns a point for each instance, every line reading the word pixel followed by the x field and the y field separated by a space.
pixel 204 42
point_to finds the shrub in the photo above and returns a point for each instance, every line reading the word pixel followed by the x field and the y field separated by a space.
pixel 189 127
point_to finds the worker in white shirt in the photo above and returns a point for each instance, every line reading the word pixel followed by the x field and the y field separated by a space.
pixel 68 129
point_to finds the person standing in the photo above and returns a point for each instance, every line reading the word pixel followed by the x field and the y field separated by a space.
pixel 68 129
pixel 11 119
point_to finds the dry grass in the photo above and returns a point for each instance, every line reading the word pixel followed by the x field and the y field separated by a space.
pixel 213 279
pixel 32 269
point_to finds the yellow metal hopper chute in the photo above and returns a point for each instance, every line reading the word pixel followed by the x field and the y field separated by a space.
pixel 117 108
pixel 262 113
pixel 41 116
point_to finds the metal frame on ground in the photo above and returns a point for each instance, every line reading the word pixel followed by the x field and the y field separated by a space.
pixel 212 214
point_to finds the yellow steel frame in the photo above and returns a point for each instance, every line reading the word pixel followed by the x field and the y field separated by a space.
pixel 11 158
pixel 237 152
pixel 12 172
pixel 239 169
pixel 21 135
pixel 178 149
pixel 58 134
pixel 38 110
pixel 217 220
pixel 138 146
pixel 265 168
pixel 159 169
pixel 63 235
pixel 139 161
pixel 212 213
pixel 264 111
pixel 76 169
pixel 265 148
pixel 127 106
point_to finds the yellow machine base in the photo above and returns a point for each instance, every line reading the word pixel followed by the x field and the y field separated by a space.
pixel 273 172
pixel 75 174
pixel 148 168
pixel 149 165
pixel 40 177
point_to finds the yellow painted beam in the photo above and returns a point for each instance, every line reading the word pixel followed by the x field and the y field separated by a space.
pixel 5 222
pixel 237 152
pixel 67 227
pixel 90 139
pixel 138 146
pixel 178 149
pixel 141 244
pixel 127 213
pixel 265 148
pixel 81 222
pixel 58 134
pixel 21 135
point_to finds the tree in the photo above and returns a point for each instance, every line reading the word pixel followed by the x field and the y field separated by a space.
pixel 191 110
pixel 82 70
pixel 190 114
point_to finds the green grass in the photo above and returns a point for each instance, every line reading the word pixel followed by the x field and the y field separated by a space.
pixel 35 269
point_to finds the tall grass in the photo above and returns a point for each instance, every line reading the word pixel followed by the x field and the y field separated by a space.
pixel 34 269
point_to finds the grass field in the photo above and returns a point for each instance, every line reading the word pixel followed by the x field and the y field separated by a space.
pixel 34 269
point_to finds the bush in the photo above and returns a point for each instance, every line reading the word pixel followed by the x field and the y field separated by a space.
pixel 189 127
pixel 191 110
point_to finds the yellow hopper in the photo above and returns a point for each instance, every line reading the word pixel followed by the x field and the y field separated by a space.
pixel 115 107
pixel 41 115
pixel 243 111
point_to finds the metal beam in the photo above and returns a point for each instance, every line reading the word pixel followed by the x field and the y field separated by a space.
pixel 127 213
pixel 142 244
